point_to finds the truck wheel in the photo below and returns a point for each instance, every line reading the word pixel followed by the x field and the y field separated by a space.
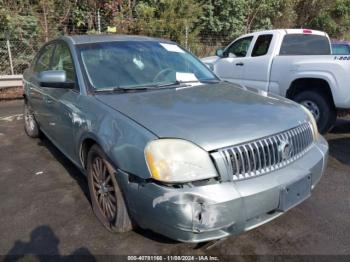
pixel 30 125
pixel 106 196
pixel 321 108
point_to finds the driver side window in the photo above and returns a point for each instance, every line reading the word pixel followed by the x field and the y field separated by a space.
pixel 62 60
pixel 42 63
pixel 240 47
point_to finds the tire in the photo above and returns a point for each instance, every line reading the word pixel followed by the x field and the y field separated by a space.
pixel 107 199
pixel 31 127
pixel 320 106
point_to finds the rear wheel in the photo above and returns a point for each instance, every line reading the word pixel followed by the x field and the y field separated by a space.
pixel 321 108
pixel 30 125
pixel 106 196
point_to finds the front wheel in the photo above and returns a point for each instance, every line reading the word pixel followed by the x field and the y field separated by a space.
pixel 106 196
pixel 30 125
pixel 320 107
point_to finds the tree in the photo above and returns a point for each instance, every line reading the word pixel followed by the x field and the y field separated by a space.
pixel 227 19
pixel 330 16
pixel 170 19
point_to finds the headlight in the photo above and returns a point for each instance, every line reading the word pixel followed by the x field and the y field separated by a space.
pixel 313 123
pixel 177 161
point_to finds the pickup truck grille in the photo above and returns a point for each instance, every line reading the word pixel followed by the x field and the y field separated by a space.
pixel 267 154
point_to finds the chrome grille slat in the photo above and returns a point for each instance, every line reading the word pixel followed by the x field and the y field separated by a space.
pixel 273 151
pixel 242 163
pixel 277 154
pixel 264 155
pixel 248 159
pixel 254 158
pixel 258 153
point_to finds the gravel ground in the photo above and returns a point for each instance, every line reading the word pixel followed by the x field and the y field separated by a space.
pixel 45 208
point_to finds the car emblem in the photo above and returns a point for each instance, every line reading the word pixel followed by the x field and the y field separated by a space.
pixel 285 149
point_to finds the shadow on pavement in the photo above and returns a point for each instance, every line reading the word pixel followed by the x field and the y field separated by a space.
pixel 340 149
pixel 71 169
pixel 43 246
pixel 342 126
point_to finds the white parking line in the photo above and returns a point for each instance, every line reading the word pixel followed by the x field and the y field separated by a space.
pixel 11 118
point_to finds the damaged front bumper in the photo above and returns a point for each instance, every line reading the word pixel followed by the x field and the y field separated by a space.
pixel 209 212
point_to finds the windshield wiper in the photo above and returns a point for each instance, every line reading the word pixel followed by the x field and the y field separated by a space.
pixel 143 88
pixel 175 83
pixel 178 83
pixel 122 89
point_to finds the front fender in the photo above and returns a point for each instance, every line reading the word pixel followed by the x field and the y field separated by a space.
pixel 122 139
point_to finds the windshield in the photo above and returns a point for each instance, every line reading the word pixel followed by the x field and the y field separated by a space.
pixel 132 64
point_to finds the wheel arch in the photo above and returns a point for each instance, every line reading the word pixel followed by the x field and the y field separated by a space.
pixel 86 143
pixel 318 85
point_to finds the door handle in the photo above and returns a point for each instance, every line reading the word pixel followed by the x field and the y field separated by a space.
pixel 240 64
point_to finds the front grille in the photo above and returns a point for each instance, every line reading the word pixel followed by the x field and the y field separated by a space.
pixel 258 157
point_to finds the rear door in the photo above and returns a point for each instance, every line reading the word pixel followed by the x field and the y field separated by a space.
pixel 257 66
pixel 231 66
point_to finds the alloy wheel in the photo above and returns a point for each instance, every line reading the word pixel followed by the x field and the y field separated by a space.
pixel 29 119
pixel 103 188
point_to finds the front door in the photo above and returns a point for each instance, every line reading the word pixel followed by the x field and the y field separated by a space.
pixel 38 96
pixel 64 112
pixel 231 67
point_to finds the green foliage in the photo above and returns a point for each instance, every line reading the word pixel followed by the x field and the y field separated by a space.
pixel 332 17
pixel 230 18
pixel 201 25
pixel 214 19
pixel 163 18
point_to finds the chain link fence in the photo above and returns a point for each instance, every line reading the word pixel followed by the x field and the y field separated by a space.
pixel 20 42
pixel 16 56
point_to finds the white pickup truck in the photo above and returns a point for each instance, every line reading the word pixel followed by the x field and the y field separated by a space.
pixel 295 63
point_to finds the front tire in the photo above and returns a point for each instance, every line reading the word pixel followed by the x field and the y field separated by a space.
pixel 321 108
pixel 106 196
pixel 30 125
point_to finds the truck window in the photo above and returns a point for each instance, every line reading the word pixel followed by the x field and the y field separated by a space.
pixel 262 45
pixel 240 47
pixel 340 49
pixel 303 44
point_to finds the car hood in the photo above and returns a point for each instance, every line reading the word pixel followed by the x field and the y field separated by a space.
pixel 210 59
pixel 212 116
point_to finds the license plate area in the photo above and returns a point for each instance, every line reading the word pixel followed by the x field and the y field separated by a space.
pixel 294 193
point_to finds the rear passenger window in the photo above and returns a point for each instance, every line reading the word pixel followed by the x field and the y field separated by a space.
pixel 304 44
pixel 43 61
pixel 262 45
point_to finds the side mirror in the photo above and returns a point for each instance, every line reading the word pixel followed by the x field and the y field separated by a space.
pixel 220 52
pixel 54 79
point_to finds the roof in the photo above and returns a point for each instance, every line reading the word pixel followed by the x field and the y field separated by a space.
pixel 338 42
pixel 290 31
pixel 86 39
